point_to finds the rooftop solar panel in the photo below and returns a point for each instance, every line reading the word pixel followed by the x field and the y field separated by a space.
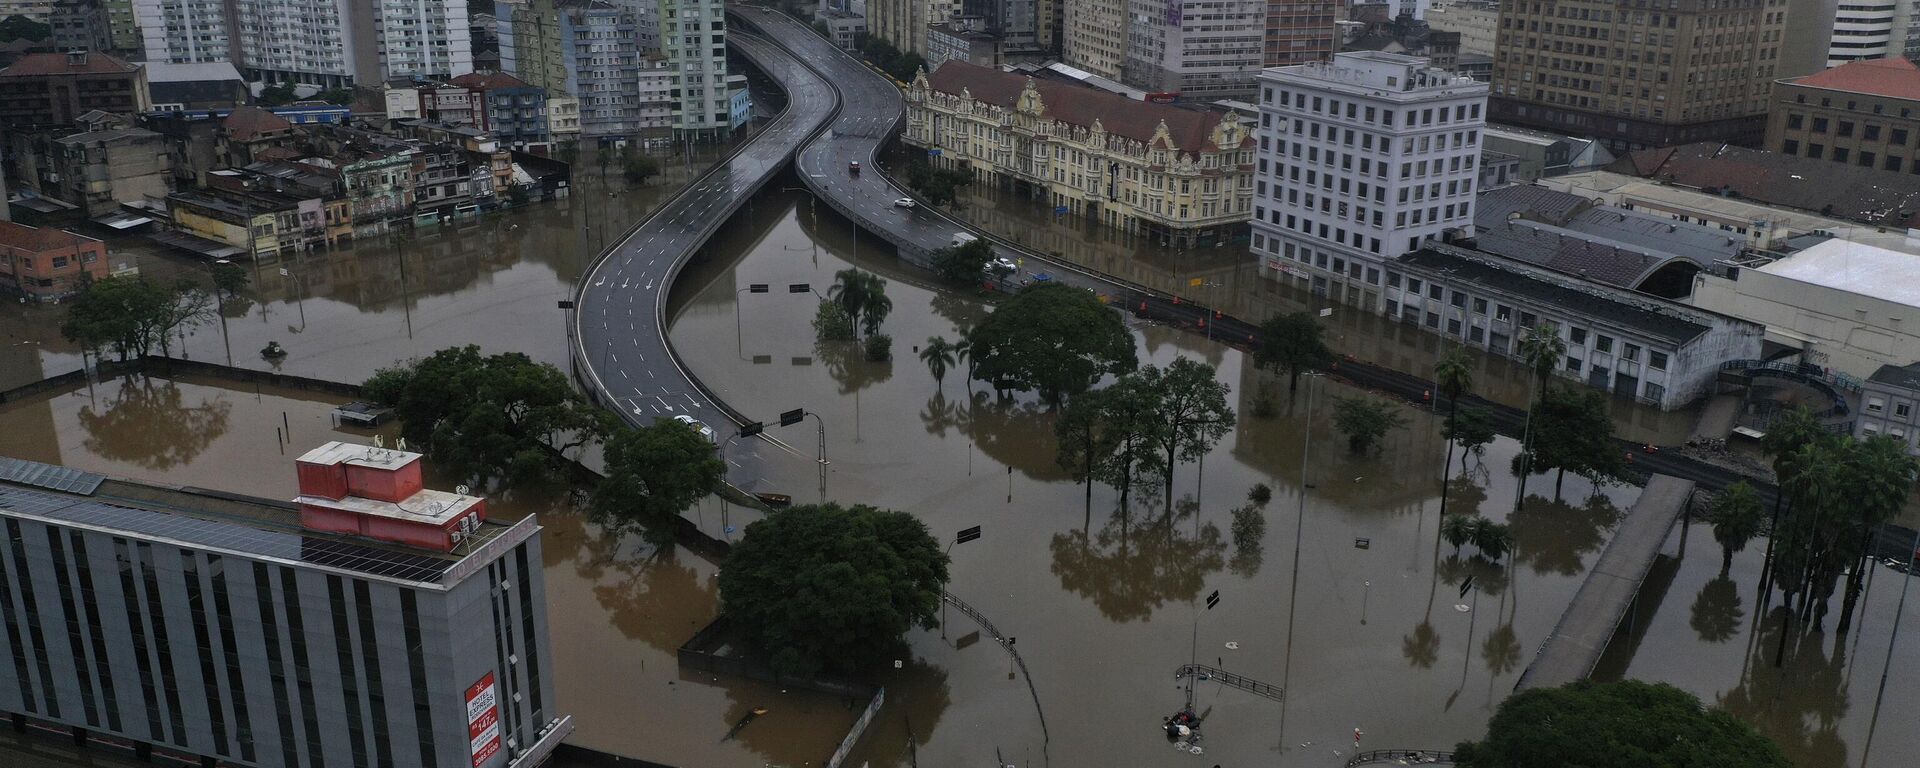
pixel 255 539
pixel 52 476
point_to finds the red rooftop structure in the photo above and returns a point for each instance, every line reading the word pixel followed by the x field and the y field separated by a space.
pixel 376 492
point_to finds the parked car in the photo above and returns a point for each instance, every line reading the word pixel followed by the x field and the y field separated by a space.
pixel 704 430
pixel 905 202
pixel 853 167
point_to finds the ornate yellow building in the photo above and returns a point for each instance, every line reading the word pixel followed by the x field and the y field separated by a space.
pixel 1184 175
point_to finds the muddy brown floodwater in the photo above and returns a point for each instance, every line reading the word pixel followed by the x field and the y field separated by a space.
pixel 343 313
pixel 1105 605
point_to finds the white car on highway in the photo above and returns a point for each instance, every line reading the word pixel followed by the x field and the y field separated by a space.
pixel 905 202
pixel 704 430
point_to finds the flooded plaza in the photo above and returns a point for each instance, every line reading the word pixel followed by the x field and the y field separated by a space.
pixel 1367 627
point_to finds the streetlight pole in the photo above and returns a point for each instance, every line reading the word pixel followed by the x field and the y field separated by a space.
pixel 1299 525
pixel 738 344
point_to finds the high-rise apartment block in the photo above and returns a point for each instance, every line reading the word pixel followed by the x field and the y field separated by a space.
pixel 534 45
pixel 694 38
pixel 1094 36
pixel 329 43
pixel 1361 160
pixel 1638 73
pixel 370 621
pixel 1201 49
pixel 1299 31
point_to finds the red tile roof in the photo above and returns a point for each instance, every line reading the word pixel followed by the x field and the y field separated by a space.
pixel 38 239
pixel 43 64
pixel 1081 105
pixel 1895 77
pixel 246 123
pixel 487 81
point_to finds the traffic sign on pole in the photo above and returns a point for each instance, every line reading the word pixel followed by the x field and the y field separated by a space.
pixel 1213 599
pixel 967 534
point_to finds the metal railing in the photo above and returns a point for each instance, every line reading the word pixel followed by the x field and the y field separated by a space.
pixel 1401 757
pixel 1006 644
pixel 1231 680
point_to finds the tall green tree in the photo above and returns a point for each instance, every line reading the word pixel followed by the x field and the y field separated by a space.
pixel 1293 343
pixel 636 166
pixel 825 587
pixel 938 355
pixel 134 315
pixel 1626 724
pixel 1131 415
pixel 1457 529
pixel 1453 374
pixel 1050 338
pixel 653 473
pixel 1785 435
pixel 1193 413
pixel 1542 348
pixel 494 418
pixel 864 295
pixel 1573 430
pixel 1494 540
pixel 1472 428
pixel 1083 443
pixel 1736 518
pixel 1883 478
pixel 1365 420
pixel 963 264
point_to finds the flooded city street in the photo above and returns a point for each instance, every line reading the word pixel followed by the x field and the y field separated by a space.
pixel 1104 606
pixel 1375 625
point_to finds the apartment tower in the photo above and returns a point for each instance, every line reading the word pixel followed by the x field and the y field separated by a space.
pixel 1638 73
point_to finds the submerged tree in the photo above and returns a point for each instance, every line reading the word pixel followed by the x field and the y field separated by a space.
pixel 1294 343
pixel 1365 420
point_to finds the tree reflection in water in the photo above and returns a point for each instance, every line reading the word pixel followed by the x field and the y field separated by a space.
pixel 1133 565
pixel 1799 704
pixel 146 423
pixel 651 594
pixel 917 697
pixel 1422 648
pixel 1006 430
pixel 1554 536
pixel 1716 611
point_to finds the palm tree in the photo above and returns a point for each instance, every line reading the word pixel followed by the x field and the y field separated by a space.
pixel 863 295
pixel 1785 436
pixel 1542 348
pixel 1457 530
pixel 1736 520
pixel 1883 476
pixel 1454 375
pixel 1491 538
pixel 938 355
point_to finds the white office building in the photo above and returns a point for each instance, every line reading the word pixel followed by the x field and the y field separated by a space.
pixel 693 35
pixel 1201 49
pixel 325 43
pixel 1362 159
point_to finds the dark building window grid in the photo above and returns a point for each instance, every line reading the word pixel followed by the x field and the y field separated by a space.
pixel 70 615
pixel 97 634
pixel 417 670
pixel 15 641
pixel 198 612
pixel 137 624
pixel 276 668
pixel 236 678
pixel 35 631
pixel 370 658
pixel 349 681
pixel 150 580
pixel 303 670
pixel 531 662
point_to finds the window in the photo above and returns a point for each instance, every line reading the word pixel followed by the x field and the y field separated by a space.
pixel 1840 154
pixel 1655 392
pixel 1819 125
pixel 1630 352
pixel 1846 128
pixel 1577 335
pixel 1790 147
pixel 1413 285
pixel 1453 326
pixel 1433 319
pixel 1573 364
pixel 1527 320
pixel 1903 410
pixel 1477 334
pixel 1393 278
pixel 1459 300
pixel 1603 343
pixel 1795 122
pixel 1897 136
pixel 1479 306
pixel 1657 361
pixel 1876 405
pixel 1434 291
pixel 1502 313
